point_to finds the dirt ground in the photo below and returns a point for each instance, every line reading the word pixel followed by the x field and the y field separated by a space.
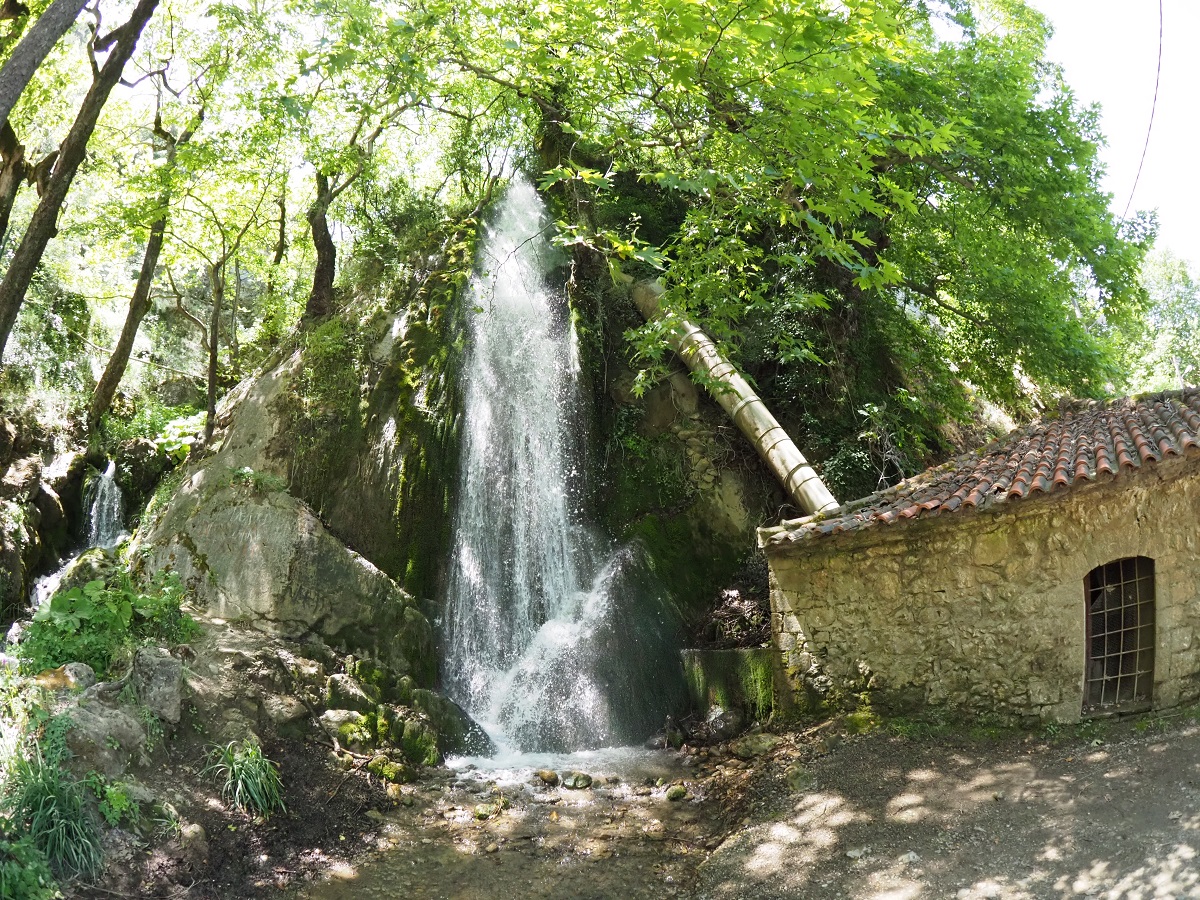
pixel 1103 810
pixel 1096 811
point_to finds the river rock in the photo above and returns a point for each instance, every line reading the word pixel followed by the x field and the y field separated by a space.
pixel 157 677
pixel 548 776
pixel 676 792
pixel 752 745
pixel 576 781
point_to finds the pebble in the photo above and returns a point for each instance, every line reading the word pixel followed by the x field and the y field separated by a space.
pixel 491 848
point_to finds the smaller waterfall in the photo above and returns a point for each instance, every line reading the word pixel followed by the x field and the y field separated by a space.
pixel 106 511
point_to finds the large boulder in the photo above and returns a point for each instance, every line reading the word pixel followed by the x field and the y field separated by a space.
pixel 157 677
pixel 254 555
pixel 107 739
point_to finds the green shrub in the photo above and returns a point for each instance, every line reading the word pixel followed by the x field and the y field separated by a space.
pixel 100 624
pixel 24 872
pixel 116 806
pixel 156 422
pixel 247 778
pixel 51 805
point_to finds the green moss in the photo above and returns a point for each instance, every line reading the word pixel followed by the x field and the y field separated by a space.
pixel 361 732
pixel 732 679
pixel 420 743
pixel 390 770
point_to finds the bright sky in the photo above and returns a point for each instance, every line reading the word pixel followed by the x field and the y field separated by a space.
pixel 1109 52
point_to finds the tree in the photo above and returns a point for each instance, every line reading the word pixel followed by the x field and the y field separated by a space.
pixel 120 44
pixel 139 304
pixel 18 69
pixel 1164 350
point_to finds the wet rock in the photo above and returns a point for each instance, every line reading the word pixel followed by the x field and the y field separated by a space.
pixel 548 777
pixel 576 781
pixel 456 731
pixel 676 792
pixel 157 677
pixel 724 723
pixel 390 770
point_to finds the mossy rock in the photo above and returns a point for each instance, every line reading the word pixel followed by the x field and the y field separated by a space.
pixel 419 743
pixel 391 770
pixel 359 734
pixel 344 692
pixel 456 731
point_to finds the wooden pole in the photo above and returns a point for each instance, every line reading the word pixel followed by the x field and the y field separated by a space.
pixel 744 406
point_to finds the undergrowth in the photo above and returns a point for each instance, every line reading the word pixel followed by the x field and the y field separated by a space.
pixel 24 872
pixel 50 806
pixel 247 778
pixel 101 624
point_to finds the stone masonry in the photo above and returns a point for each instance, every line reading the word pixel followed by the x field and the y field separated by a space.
pixel 985 609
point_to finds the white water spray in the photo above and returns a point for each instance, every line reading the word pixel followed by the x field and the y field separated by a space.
pixel 533 591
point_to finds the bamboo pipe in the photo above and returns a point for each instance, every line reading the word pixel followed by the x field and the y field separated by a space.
pixel 744 406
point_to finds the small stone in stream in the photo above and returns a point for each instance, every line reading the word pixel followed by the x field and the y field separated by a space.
pixel 491 848
pixel 676 792
pixel 576 781
pixel 374 815
pixel 548 776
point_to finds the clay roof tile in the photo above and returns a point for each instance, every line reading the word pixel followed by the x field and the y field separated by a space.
pixel 1085 440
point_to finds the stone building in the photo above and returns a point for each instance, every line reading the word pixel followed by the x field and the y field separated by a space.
pixel 1050 576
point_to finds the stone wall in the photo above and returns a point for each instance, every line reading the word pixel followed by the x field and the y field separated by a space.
pixel 985 610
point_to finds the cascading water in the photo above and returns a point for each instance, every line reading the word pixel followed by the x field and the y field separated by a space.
pixel 106 528
pixel 106 510
pixel 553 641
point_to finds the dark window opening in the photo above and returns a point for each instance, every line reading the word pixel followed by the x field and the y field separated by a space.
pixel 1120 636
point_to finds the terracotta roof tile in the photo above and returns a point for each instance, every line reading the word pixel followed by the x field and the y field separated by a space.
pixel 1084 441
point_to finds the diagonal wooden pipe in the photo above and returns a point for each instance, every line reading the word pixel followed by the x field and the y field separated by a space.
pixel 744 406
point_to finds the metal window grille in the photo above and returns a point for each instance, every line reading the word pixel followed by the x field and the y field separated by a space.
pixel 1120 636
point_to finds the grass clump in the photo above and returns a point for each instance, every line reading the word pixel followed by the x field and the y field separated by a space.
pixel 101 623
pixel 51 807
pixel 247 778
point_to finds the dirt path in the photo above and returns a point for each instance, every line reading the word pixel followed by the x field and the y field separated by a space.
pixel 1116 816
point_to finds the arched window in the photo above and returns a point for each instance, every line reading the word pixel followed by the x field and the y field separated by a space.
pixel 1120 636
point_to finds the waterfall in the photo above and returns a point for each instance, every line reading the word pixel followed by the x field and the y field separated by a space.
pixel 106 510
pixel 553 641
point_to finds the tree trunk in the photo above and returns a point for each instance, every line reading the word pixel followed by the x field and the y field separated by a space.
pixel 744 406
pixel 13 171
pixel 216 275
pixel 42 226
pixel 280 245
pixel 233 317
pixel 139 305
pixel 320 299
pixel 28 55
